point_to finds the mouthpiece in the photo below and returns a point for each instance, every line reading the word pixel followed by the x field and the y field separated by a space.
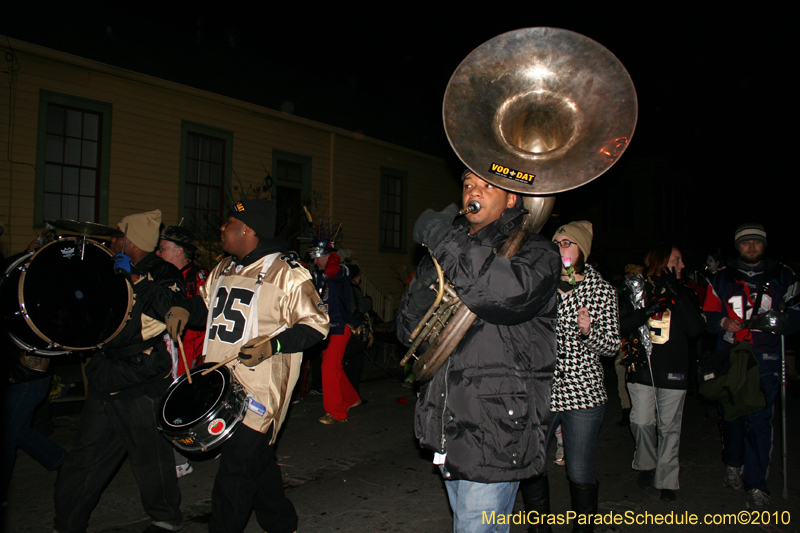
pixel 472 207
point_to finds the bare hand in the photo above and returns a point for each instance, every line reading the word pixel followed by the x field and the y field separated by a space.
pixel 584 321
pixel 730 325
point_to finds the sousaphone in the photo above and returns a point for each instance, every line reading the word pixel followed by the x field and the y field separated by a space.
pixel 535 111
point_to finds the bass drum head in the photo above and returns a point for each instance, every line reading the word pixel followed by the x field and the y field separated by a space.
pixel 71 296
pixel 12 320
pixel 186 403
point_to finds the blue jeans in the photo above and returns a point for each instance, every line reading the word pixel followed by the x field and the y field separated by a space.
pixel 747 441
pixel 21 400
pixel 470 500
pixel 580 428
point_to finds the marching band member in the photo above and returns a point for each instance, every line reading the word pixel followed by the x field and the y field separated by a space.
pixel 258 303
pixel 485 412
pixel 127 379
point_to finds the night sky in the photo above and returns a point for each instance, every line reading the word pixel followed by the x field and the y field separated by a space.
pixel 714 99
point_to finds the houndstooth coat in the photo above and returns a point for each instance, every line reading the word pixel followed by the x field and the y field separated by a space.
pixel 578 378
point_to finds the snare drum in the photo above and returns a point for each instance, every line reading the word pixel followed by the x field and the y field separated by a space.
pixel 64 296
pixel 199 416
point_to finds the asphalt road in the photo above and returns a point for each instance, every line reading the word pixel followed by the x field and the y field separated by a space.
pixel 369 475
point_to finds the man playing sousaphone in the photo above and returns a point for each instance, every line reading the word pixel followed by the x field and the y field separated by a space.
pixel 265 310
pixel 519 115
pixel 484 413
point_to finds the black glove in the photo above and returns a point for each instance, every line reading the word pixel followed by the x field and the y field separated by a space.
pixel 431 227
pixel 670 281
pixel 419 290
pixel 658 305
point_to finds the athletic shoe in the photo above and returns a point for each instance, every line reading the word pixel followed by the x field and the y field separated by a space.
pixel 329 420
pixel 184 470
pixel 733 477
pixel 560 456
pixel 757 500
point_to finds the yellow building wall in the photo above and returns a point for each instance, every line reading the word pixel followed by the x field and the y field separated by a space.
pixel 145 154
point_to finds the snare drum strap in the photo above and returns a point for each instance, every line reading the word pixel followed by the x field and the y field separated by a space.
pixel 253 321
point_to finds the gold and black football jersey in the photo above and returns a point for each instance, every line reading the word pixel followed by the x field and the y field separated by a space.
pixel 264 298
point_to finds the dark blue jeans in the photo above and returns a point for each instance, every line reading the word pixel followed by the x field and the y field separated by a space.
pixel 21 401
pixel 747 441
pixel 110 430
pixel 580 428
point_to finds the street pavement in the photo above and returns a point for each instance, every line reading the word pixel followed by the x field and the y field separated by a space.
pixel 369 475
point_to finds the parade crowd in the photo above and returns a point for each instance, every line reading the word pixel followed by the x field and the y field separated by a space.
pixel 528 370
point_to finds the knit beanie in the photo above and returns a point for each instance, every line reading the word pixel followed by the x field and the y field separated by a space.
pixel 579 232
pixel 747 232
pixel 142 229
pixel 259 214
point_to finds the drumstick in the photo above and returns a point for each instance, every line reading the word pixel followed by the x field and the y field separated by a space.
pixel 185 364
pixel 221 363
pixel 231 358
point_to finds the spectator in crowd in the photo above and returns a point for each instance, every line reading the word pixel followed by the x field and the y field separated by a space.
pixel 587 329
pixel 749 286
pixel 332 280
pixel 660 314
pixel 361 328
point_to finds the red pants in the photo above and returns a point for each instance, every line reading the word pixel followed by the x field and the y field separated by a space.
pixel 337 392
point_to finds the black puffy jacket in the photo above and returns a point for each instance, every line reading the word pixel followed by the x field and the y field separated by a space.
pixel 487 408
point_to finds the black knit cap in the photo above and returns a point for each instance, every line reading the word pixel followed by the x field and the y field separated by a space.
pixel 258 214
pixel 180 236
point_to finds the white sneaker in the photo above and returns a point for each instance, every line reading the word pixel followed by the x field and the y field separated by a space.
pixel 733 477
pixel 757 500
pixel 184 470
pixel 560 456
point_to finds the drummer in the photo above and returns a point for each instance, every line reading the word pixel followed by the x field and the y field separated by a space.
pixel 178 247
pixel 267 312
pixel 127 379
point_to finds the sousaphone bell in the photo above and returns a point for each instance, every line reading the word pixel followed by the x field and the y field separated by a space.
pixel 535 111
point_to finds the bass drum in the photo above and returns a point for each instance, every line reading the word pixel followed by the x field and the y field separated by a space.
pixel 63 297
pixel 200 416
